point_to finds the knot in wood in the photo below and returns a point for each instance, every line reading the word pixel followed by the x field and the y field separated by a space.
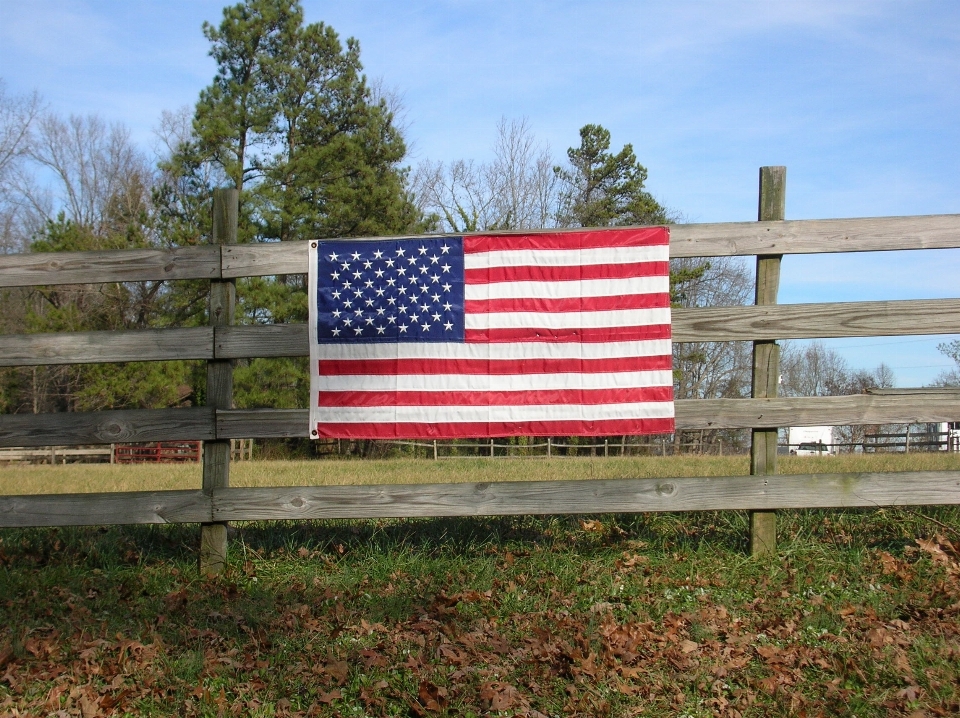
pixel 666 489
pixel 114 431
pixel 297 502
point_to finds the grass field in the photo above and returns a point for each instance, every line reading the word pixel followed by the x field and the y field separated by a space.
pixel 77 478
pixel 612 615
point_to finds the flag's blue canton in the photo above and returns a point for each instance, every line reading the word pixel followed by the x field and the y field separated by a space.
pixel 404 290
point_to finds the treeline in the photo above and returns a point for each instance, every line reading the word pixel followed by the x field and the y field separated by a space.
pixel 317 151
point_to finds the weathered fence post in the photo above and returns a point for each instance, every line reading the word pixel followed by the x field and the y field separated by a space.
pixel 216 454
pixel 766 360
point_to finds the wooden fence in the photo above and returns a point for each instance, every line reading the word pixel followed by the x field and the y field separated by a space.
pixel 215 503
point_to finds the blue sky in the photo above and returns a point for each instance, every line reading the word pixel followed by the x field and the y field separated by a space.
pixel 858 98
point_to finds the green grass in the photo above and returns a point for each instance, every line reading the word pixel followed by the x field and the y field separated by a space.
pixel 656 615
pixel 614 615
pixel 81 478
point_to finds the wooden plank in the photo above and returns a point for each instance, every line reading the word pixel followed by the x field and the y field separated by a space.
pixel 107 427
pixel 742 323
pixel 140 507
pixel 120 265
pixel 109 346
pixel 814 236
pixel 815 411
pixel 588 496
pixel 262 340
pixel 870 234
pixel 690 414
pixel 817 321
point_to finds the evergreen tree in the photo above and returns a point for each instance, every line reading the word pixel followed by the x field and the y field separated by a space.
pixel 600 189
pixel 289 120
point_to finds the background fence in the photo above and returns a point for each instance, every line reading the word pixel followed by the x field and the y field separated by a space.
pixel 216 424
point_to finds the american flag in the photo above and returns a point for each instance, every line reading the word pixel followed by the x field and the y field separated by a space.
pixel 553 334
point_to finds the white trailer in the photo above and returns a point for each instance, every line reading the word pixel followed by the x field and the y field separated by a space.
pixel 811 440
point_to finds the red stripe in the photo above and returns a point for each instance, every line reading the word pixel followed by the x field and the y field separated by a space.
pixel 612 427
pixel 595 239
pixel 565 274
pixel 597 334
pixel 546 397
pixel 393 367
pixel 657 300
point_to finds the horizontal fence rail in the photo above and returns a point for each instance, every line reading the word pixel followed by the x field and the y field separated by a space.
pixel 686 240
pixel 715 493
pixel 141 425
pixel 701 324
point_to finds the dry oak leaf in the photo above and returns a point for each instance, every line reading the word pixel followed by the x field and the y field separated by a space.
pixel 499 696
pixel 432 697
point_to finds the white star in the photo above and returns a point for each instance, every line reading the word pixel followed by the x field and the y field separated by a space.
pixel 425 307
pixel 380 330
pixel 380 311
pixel 368 283
pixel 400 252
pixel 379 273
pixel 445 249
pixel 336 294
pixel 380 291
pixel 423 250
pixel 435 278
pixel 377 254
pixel 448 326
pixel 345 265
pixel 391 281
pixel 402 290
pixel 424 289
pixel 391 301
pixel 336 313
pixel 446 287
pixel 359 331
pixel 434 259
pixel 389 262
pixel 447 306
pixel 435 297
pixel 403 309
pixel 347 303
pixel 356 256
pixel 423 270
pixel 369 320
pixel 446 268
pixel 401 271
pixel 412 260
pixel 392 319
pixel 412 279
pixel 347 285
pixel 403 328
pixel 333 257
pixel 357 293
pixel 426 327
pixel 335 276
pixel 347 322
pixel 367 264
pixel 358 312
pixel 436 317
pixel 415 318
pixel 336 332
pixel 357 275
pixel 369 302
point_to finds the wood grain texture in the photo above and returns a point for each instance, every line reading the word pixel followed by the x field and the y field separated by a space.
pixel 579 497
pixel 814 236
pixel 141 507
pixel 107 427
pixel 818 321
pixel 806 236
pixel 110 346
pixel 262 340
pixel 121 265
pixel 690 414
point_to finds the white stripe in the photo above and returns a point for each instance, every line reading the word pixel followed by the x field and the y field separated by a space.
pixel 571 289
pixel 568 320
pixel 566 257
pixel 470 414
pixel 496 382
pixel 496 351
